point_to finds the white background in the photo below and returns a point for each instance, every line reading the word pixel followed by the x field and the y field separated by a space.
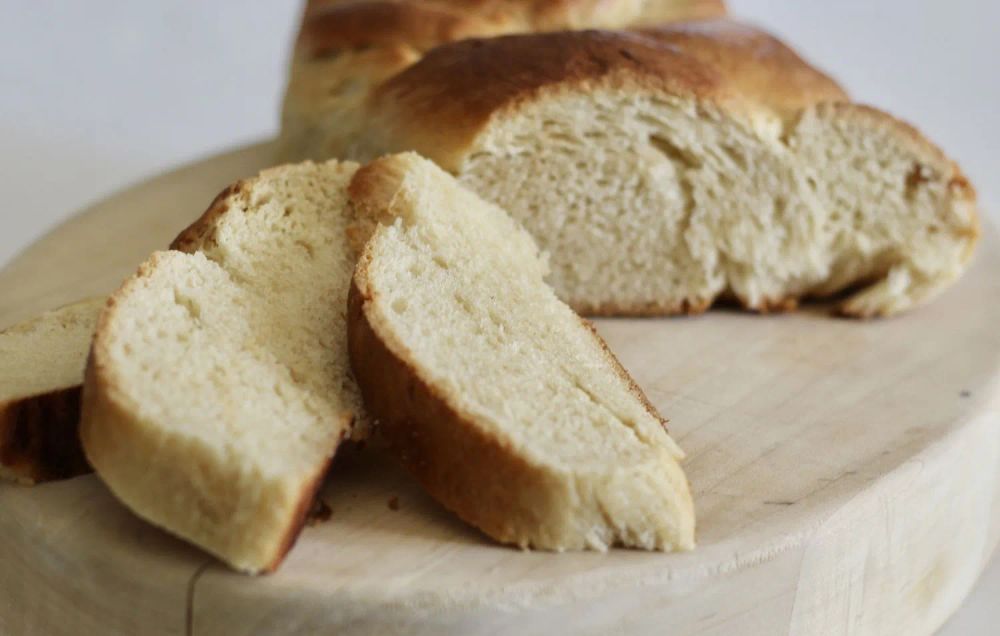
pixel 97 94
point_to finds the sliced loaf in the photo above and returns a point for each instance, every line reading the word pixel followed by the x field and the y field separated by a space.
pixel 665 169
pixel 218 388
pixel 503 403
pixel 41 369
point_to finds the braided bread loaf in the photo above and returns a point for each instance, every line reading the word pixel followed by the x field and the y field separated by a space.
pixel 666 167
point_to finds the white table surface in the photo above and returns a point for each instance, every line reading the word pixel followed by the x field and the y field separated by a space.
pixel 96 95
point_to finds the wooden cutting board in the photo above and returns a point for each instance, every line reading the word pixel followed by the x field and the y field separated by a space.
pixel 846 475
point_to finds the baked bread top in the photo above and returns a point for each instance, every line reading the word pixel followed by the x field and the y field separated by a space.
pixel 335 26
pixel 441 103
pixel 345 49
pixel 751 61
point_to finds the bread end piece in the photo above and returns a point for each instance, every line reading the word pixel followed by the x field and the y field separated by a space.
pixel 41 368
pixel 39 441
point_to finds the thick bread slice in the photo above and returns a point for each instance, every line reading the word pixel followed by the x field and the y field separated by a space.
pixel 504 404
pixel 41 369
pixel 666 169
pixel 345 48
pixel 219 386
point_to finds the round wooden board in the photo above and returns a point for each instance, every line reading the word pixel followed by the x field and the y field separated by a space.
pixel 846 475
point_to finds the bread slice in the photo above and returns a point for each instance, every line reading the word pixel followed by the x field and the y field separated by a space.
pixel 345 49
pixel 503 403
pixel 663 170
pixel 219 387
pixel 41 369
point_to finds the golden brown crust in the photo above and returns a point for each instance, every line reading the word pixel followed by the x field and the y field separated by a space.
pixel 39 438
pixel 755 63
pixel 346 48
pixel 642 310
pixel 521 64
pixel 461 86
pixel 478 77
pixel 775 306
pixel 198 234
pixel 431 439
pixel 362 25
pixel 623 373
pixel 684 308
pixel 330 27
pixel 307 502
pixel 370 192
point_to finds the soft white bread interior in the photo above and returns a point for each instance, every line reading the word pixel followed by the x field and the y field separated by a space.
pixel 665 169
pixel 503 403
pixel 219 386
pixel 41 369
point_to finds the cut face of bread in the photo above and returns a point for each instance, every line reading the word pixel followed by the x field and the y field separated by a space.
pixel 503 403
pixel 219 389
pixel 345 49
pixel 41 369
pixel 663 170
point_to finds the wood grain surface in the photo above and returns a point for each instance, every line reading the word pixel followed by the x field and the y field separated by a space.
pixel 846 476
